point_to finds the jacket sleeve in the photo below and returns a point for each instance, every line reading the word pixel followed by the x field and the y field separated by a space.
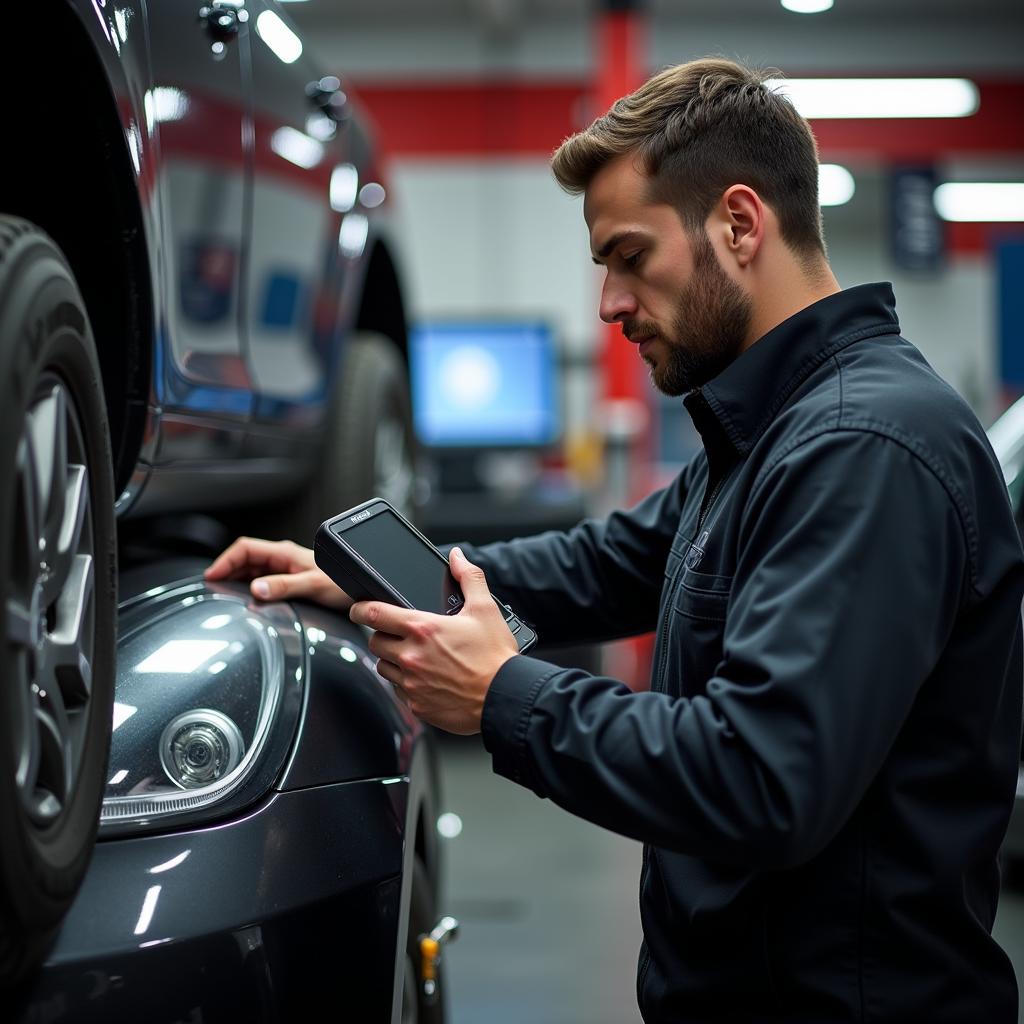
pixel 599 581
pixel 851 569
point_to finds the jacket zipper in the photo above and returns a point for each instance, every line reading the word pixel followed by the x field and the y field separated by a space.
pixel 709 500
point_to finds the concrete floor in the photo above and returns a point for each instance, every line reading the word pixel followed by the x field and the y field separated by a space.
pixel 548 906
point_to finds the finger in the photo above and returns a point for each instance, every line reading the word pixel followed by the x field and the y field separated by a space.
pixel 248 553
pixel 386 617
pixel 386 646
pixel 285 585
pixel 392 673
pixel 470 578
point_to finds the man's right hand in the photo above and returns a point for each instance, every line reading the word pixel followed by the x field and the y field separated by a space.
pixel 279 570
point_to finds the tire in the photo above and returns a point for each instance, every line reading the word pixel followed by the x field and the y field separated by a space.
pixel 369 447
pixel 417 1007
pixel 58 593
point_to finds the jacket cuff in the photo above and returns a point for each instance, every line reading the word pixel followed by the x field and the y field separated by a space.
pixel 506 715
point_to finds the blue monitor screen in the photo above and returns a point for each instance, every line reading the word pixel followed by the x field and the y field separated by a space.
pixel 480 385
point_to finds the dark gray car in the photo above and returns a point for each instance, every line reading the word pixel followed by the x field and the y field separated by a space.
pixel 200 310
pixel 268 842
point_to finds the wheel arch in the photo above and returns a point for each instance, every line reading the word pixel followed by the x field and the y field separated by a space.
pixel 381 307
pixel 73 176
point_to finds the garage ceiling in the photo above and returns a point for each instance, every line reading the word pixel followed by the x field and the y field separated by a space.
pixel 512 14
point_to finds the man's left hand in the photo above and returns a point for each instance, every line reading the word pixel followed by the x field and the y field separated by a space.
pixel 442 665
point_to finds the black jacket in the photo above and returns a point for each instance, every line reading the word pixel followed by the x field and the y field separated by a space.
pixel 824 767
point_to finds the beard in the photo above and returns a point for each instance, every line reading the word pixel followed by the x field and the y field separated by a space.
pixel 709 326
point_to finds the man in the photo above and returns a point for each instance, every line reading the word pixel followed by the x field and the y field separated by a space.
pixel 824 767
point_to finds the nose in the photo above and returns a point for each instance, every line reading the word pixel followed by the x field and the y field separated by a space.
pixel 617 302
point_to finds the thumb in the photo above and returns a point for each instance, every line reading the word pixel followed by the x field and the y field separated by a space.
pixel 470 577
pixel 275 588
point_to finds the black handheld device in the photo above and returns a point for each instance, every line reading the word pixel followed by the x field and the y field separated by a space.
pixel 375 554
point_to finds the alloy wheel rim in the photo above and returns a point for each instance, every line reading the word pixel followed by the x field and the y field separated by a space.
pixel 51 609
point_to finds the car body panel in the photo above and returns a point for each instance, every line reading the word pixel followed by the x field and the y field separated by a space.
pixel 297 893
pixel 258 919
pixel 256 280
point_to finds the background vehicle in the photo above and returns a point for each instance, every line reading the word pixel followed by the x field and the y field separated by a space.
pixel 199 309
pixel 1007 437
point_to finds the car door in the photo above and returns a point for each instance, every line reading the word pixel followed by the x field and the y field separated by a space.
pixel 304 185
pixel 200 67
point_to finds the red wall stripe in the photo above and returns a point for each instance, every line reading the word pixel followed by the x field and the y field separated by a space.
pixel 979 239
pixel 515 118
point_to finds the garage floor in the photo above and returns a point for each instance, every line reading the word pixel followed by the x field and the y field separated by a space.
pixel 548 906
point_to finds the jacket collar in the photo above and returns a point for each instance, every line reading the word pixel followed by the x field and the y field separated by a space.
pixel 737 406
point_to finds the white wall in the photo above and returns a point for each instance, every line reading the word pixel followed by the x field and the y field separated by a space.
pixel 496 237
pixel 413 49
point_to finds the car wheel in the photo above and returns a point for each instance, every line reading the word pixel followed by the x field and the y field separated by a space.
pixel 58 593
pixel 369 447
pixel 417 1006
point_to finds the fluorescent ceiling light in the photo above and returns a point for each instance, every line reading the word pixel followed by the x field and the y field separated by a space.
pixel 215 621
pixel 122 712
pixel 879 97
pixel 806 6
pixel 148 906
pixel 321 127
pixel 352 235
pixel 181 656
pixel 344 187
pixel 835 185
pixel 372 194
pixel 981 201
pixel 287 46
pixel 165 103
pixel 297 148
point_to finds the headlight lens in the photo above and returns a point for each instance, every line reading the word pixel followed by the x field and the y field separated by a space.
pixel 200 747
pixel 207 699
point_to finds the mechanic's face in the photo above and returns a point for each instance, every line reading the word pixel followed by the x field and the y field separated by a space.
pixel 666 288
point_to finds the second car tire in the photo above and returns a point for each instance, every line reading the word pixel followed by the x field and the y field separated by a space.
pixel 369 446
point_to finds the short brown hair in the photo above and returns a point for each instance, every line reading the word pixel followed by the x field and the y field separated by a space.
pixel 699 128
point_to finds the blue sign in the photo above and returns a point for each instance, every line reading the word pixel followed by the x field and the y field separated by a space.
pixel 1010 278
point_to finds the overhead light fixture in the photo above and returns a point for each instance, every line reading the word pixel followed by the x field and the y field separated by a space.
pixel 807 6
pixel 372 194
pixel 835 185
pixel 165 103
pixel 991 201
pixel 287 46
pixel 296 147
pixel 352 237
pixel 344 187
pixel 879 97
pixel 181 656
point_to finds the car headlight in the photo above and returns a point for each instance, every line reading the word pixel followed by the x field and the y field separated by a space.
pixel 209 689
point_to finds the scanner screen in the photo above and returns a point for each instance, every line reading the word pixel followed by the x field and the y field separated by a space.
pixel 415 570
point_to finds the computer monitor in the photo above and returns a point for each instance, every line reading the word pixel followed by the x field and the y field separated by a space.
pixel 484 385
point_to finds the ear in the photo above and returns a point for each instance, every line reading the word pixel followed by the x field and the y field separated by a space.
pixel 743 217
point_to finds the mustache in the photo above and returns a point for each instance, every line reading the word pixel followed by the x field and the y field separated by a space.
pixel 639 330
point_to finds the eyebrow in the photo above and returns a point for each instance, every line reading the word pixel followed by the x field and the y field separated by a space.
pixel 612 242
